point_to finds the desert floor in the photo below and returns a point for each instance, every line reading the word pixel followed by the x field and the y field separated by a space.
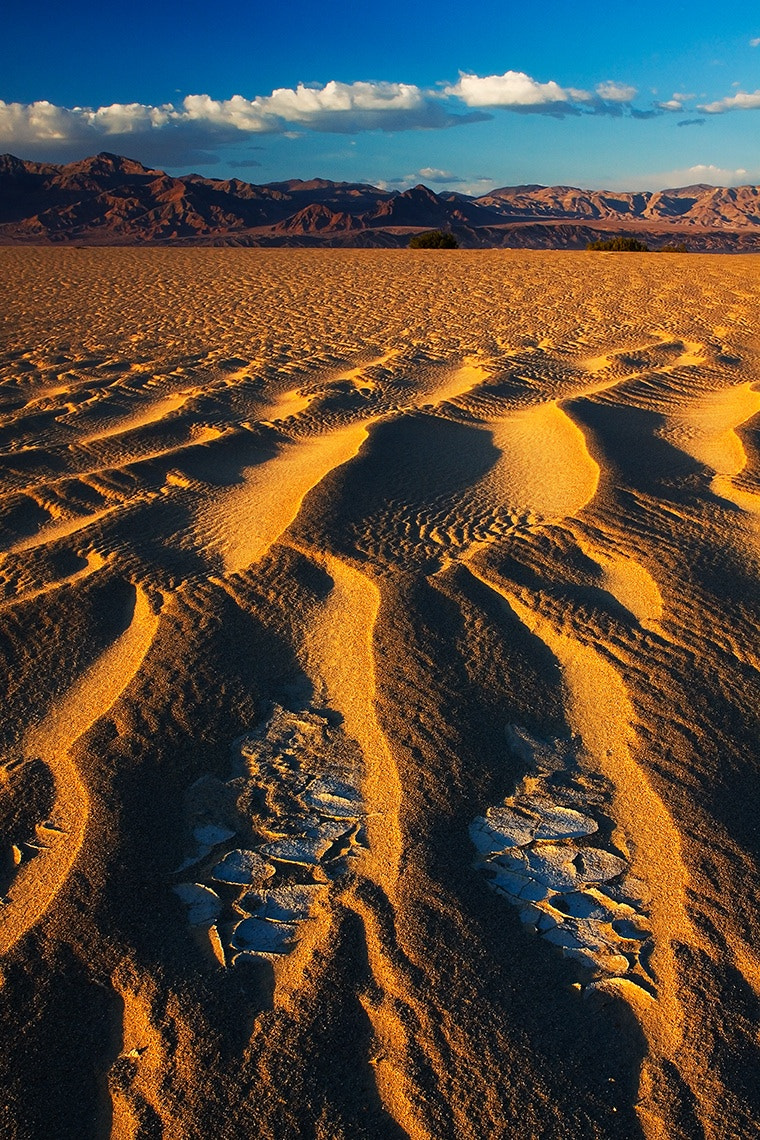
pixel 380 695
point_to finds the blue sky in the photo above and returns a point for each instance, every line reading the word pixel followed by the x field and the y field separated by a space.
pixel 602 96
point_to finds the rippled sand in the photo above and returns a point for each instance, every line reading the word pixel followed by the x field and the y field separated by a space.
pixel 380 672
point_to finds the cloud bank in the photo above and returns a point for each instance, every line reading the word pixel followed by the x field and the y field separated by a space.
pixel 187 132
pixel 182 132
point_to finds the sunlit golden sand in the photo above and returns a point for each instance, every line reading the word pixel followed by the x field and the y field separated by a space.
pixel 379 747
pixel 69 717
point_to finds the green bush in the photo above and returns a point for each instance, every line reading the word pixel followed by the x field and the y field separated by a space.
pixel 433 239
pixel 619 245
pixel 680 248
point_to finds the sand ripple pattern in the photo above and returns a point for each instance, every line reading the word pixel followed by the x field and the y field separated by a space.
pixel 355 512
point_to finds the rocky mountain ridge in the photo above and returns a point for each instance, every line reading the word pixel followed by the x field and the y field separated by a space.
pixel 111 200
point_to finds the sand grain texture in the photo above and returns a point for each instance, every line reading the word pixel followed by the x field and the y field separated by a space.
pixel 380 670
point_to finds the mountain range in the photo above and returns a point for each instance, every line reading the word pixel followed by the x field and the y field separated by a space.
pixel 111 200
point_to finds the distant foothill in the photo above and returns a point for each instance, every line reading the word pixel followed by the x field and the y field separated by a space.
pixel 111 200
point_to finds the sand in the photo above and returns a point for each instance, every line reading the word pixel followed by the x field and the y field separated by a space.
pixel 380 689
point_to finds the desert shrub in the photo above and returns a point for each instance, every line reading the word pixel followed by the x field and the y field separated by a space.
pixel 433 239
pixel 679 248
pixel 619 245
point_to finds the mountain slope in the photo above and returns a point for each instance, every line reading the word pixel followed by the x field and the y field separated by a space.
pixel 108 199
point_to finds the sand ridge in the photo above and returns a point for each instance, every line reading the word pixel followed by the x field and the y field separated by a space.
pixel 706 430
pixel 599 712
pixel 341 644
pixel 285 576
pixel 37 882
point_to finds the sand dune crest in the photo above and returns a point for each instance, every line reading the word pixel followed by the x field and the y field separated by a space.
pixel 428 798
pixel 70 717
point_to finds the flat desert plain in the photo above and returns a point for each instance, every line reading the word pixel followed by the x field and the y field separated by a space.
pixel 380 695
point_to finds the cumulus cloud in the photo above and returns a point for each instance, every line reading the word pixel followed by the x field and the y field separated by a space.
pixel 755 41
pixel 174 134
pixel 676 102
pixel 336 107
pixel 433 174
pixel 517 91
pixel 304 104
pixel 612 92
pixel 741 101
pixel 163 134
pixel 712 173
pixel 514 90
pixel 578 95
pixel 180 132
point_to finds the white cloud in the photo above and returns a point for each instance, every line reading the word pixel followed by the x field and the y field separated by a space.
pixel 342 107
pixel 755 41
pixel 356 102
pixel 741 101
pixel 433 174
pixel 676 102
pixel 306 103
pixel 612 92
pixel 687 176
pixel 201 121
pixel 709 171
pixel 517 91
pixel 513 89
pixel 175 134
pixel 126 118
pixel 578 95
pixel 41 120
pixel 236 113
